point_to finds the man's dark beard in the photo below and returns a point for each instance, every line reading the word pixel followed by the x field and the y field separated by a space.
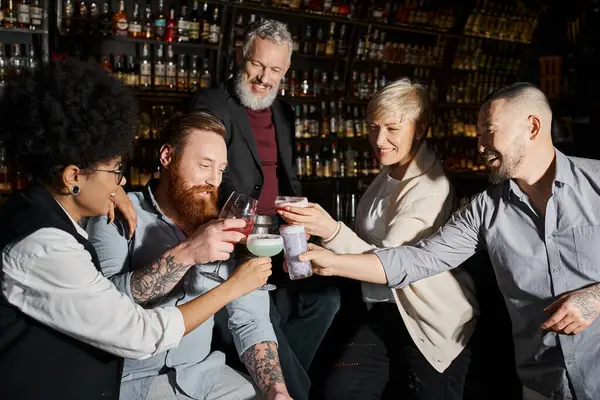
pixel 195 210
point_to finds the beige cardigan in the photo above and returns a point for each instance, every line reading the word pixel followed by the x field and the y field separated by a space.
pixel 439 312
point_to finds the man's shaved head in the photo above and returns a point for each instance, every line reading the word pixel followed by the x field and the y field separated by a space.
pixel 513 122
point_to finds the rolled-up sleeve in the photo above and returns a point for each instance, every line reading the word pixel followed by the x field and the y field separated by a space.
pixel 51 277
pixel 450 246
pixel 113 252
pixel 249 320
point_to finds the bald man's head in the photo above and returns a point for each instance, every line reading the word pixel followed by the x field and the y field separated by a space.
pixel 513 121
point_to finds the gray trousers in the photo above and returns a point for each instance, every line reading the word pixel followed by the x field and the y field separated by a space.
pixel 231 386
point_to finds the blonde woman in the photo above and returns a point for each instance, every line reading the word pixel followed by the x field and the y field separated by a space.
pixel 413 342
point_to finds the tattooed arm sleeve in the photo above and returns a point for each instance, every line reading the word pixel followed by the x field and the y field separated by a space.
pixel 157 279
pixel 262 362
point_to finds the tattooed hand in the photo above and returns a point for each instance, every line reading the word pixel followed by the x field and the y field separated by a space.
pixel 262 362
pixel 575 311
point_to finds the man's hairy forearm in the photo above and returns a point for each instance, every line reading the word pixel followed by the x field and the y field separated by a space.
pixel 154 281
pixel 262 361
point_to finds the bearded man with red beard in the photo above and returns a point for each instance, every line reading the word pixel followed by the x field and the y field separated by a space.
pixel 179 209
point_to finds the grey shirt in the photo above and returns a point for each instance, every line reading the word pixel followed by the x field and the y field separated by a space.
pixel 197 368
pixel 536 260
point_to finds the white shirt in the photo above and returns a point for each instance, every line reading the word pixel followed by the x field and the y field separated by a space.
pixel 50 277
pixel 372 226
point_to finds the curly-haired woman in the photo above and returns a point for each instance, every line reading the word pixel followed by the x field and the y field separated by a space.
pixel 63 326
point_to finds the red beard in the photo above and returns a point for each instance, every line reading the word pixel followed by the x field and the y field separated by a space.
pixel 190 205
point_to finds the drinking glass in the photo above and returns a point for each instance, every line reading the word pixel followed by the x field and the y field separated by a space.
pixel 265 245
pixel 238 206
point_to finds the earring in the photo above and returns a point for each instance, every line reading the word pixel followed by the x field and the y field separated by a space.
pixel 75 190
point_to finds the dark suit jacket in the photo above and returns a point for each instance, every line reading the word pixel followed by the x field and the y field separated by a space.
pixel 244 173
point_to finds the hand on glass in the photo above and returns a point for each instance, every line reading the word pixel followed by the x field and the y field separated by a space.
pixel 324 262
pixel 315 219
pixel 214 241
pixel 122 203
pixel 251 275
pixel 574 311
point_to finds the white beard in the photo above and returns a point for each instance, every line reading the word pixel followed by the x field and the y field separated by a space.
pixel 248 99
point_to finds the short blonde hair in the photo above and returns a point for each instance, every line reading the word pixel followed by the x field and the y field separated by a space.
pixel 405 99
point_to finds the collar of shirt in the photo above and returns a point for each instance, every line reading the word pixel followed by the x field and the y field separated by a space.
pixel 564 175
pixel 152 205
pixel 79 229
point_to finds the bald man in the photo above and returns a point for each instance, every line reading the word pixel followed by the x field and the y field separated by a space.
pixel 540 224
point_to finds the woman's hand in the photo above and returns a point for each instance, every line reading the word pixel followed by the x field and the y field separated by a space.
pixel 324 262
pixel 316 221
pixel 122 203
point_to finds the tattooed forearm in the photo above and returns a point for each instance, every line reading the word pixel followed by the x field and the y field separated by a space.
pixel 262 362
pixel 157 279
pixel 588 302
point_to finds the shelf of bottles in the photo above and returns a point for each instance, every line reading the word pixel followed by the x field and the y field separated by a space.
pixel 501 21
pixel 22 16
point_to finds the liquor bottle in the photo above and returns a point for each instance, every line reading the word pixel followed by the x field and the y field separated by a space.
pixel 342 47
pixel 106 65
pixel 147 26
pixel 305 122
pixel 10 14
pixel 3 68
pixel 133 77
pixel 324 134
pixel 23 17
pixel 231 69
pixel 294 88
pixel 215 27
pixel 318 165
pixel 135 25
pixel 335 162
pixel 106 20
pixel 330 47
pixel 308 44
pixel 206 78
pixel 145 68
pixel 315 84
pixel 171 29
pixel 93 19
pixel 119 68
pixel 305 85
pixel 333 120
pixel 284 86
pixel 160 70
pixel 82 18
pixel 298 122
pixel 300 169
pixel 320 45
pixel 160 22
pixel 325 85
pixel 357 123
pixel 308 162
pixel 120 24
pixel 183 26
pixel 205 23
pixel 349 123
pixel 314 122
pixel 32 63
pixel 194 25
pixel 194 81
pixel 238 32
pixel 341 121
pixel 171 69
pixel 182 74
pixel 36 14
pixel 16 62
pixel 326 160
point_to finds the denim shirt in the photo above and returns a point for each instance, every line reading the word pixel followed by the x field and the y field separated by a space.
pixel 536 260
pixel 197 368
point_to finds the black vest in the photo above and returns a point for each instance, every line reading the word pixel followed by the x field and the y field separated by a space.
pixel 38 362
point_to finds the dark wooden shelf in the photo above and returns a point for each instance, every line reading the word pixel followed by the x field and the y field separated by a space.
pixel 24 31
pixel 329 180
pixel 494 39
pixel 473 106
pixel 296 13
pixel 487 71
pixel 158 94
pixel 141 41
pixel 397 64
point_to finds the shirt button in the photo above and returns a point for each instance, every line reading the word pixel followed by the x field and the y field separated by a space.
pixel 569 362
pixel 550 237
pixel 169 362
pixel 421 339
pixel 554 269
pixel 256 187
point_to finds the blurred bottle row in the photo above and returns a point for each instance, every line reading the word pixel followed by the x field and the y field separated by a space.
pixel 475 88
pixel 329 121
pixel 453 123
pixel 168 71
pixel 375 47
pixel 502 20
pixel 313 162
pixel 19 59
pixel 198 24
pixel 22 14
pixel 327 7
pixel 415 13
pixel 473 54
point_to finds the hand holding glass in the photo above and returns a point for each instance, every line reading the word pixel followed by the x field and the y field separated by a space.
pixel 264 245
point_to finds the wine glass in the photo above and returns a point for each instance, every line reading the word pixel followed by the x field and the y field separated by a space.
pixel 264 245
pixel 238 206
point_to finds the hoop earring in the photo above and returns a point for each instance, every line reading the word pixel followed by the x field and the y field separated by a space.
pixel 75 190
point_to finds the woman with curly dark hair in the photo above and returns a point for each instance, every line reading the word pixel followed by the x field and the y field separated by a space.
pixel 64 328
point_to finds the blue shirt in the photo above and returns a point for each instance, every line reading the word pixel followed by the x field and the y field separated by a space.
pixel 536 259
pixel 197 368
